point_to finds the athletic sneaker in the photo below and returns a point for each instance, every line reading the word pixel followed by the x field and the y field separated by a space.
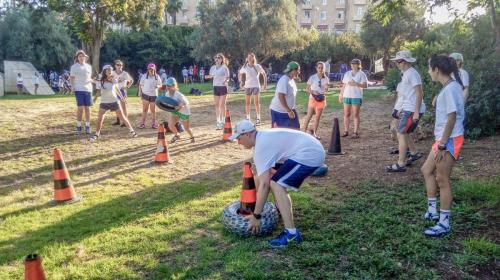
pixel 94 137
pixel 285 238
pixel 87 129
pixel 78 130
pixel 220 126
pixel 257 122
pixel 428 216
pixel 133 134
pixel 439 230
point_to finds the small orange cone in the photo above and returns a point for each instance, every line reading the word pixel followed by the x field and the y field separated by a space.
pixel 162 155
pixel 63 187
pixel 33 269
pixel 228 130
pixel 248 191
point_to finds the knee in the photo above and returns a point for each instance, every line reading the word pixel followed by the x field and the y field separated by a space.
pixel 442 180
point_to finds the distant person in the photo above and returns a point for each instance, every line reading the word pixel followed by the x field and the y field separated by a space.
pixel 182 113
pixel 328 67
pixel 150 83
pixel 81 85
pixel 449 138
pixel 283 107
pixel 219 73
pixel 109 90
pixel 36 82
pixel 19 84
pixel 464 76
pixel 185 74
pixel 139 79
pixel 124 82
pixel 351 95
pixel 317 87
pixel 190 74
pixel 195 73
pixel 252 70
pixel 202 75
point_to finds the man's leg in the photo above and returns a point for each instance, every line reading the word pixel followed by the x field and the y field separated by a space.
pixel 284 203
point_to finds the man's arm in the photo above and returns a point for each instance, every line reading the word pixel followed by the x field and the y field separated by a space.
pixel 262 194
pixel 420 94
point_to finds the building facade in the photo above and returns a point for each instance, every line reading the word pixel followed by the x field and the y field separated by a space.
pixel 332 16
pixel 327 16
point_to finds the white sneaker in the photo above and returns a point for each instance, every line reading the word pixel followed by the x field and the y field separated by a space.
pixel 219 126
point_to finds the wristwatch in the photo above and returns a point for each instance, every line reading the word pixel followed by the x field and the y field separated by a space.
pixel 441 147
pixel 257 216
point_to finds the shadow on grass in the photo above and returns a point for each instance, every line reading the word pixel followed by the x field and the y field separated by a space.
pixel 115 212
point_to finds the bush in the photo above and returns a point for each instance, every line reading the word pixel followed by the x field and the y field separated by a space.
pixel 392 79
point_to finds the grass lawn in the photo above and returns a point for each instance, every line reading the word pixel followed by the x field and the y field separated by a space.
pixel 140 221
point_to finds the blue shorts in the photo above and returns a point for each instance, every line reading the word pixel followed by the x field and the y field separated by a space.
pixel 282 120
pixel 122 95
pixel 291 174
pixel 406 123
pixel 83 98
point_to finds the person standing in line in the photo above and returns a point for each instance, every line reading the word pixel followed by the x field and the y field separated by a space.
pixel 219 73
pixel 252 70
pixel 185 74
pixel 317 87
pixel 124 81
pixel 81 86
pixel 36 82
pixel 150 83
pixel 283 107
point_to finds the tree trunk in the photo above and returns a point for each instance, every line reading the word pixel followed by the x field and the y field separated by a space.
pixel 174 18
pixel 95 53
pixel 494 26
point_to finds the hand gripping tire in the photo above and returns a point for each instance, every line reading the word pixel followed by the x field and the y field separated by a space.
pixel 238 225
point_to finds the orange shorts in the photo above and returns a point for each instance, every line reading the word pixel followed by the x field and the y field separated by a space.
pixel 315 104
pixel 454 145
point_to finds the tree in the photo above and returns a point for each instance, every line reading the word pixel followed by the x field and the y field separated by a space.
pixel 234 27
pixel 380 37
pixel 91 18
pixel 173 7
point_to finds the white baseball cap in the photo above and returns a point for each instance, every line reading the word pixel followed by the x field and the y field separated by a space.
pixel 243 126
pixel 404 55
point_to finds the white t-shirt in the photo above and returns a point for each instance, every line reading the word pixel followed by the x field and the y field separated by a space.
pixel 327 67
pixel 220 74
pixel 164 78
pixel 354 91
pixel 181 99
pixel 36 80
pixel 150 84
pixel 449 100
pixel 399 101
pixel 82 77
pixel 410 80
pixel 19 80
pixel 252 75
pixel 184 72
pixel 122 79
pixel 315 85
pixel 279 144
pixel 109 91
pixel 464 76
pixel 289 88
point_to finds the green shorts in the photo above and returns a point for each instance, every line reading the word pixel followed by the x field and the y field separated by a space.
pixel 353 101
pixel 181 116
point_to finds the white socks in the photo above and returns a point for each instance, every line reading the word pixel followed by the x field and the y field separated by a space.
pixel 432 205
pixel 258 116
pixel 248 117
pixel 87 123
pixel 444 217
pixel 78 123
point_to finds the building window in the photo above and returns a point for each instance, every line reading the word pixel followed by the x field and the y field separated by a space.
pixel 323 15
pixel 307 14
pixel 358 28
pixel 340 16
pixel 341 2
pixel 307 2
pixel 359 11
pixel 325 2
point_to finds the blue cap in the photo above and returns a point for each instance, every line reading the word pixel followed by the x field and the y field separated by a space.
pixel 170 82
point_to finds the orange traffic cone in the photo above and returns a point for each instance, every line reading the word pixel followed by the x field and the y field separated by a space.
pixel 248 192
pixel 33 269
pixel 63 188
pixel 162 155
pixel 228 130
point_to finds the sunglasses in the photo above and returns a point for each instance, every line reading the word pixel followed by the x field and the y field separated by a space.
pixel 399 61
pixel 118 64
pixel 319 83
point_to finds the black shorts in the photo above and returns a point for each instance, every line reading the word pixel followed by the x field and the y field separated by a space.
pixel 109 106
pixel 148 98
pixel 220 90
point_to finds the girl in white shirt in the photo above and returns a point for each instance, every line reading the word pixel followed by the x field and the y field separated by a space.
pixel 351 95
pixel 124 82
pixel 150 83
pixel 317 86
pixel 252 70
pixel 449 135
pixel 182 113
pixel 19 83
pixel 220 75
pixel 36 82
pixel 109 91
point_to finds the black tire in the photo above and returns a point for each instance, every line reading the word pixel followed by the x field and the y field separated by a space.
pixel 237 224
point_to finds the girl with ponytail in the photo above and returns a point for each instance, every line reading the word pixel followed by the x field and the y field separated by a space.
pixel 317 86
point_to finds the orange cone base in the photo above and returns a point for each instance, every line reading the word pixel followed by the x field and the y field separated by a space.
pixel 162 162
pixel 77 198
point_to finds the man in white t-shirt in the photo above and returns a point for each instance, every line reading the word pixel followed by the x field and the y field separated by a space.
pixel 279 168
pixel 283 113
pixel 411 103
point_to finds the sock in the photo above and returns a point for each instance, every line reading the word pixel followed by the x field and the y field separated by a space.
pixel 258 116
pixel 97 133
pixel 78 123
pixel 432 205
pixel 131 129
pixel 291 230
pixel 87 124
pixel 248 117
pixel 444 217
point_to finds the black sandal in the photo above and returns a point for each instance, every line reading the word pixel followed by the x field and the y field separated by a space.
pixel 355 135
pixel 395 168
pixel 174 139
pixel 192 139
pixel 413 158
pixel 346 133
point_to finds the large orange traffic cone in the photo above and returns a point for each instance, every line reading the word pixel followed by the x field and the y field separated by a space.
pixel 162 155
pixel 248 192
pixel 33 269
pixel 228 130
pixel 63 188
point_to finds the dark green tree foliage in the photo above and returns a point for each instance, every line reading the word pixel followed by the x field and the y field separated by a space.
pixel 37 36
pixel 235 27
pixel 165 46
pixel 173 7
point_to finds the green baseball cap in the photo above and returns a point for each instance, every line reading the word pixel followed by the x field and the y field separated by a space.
pixel 292 65
pixel 457 56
